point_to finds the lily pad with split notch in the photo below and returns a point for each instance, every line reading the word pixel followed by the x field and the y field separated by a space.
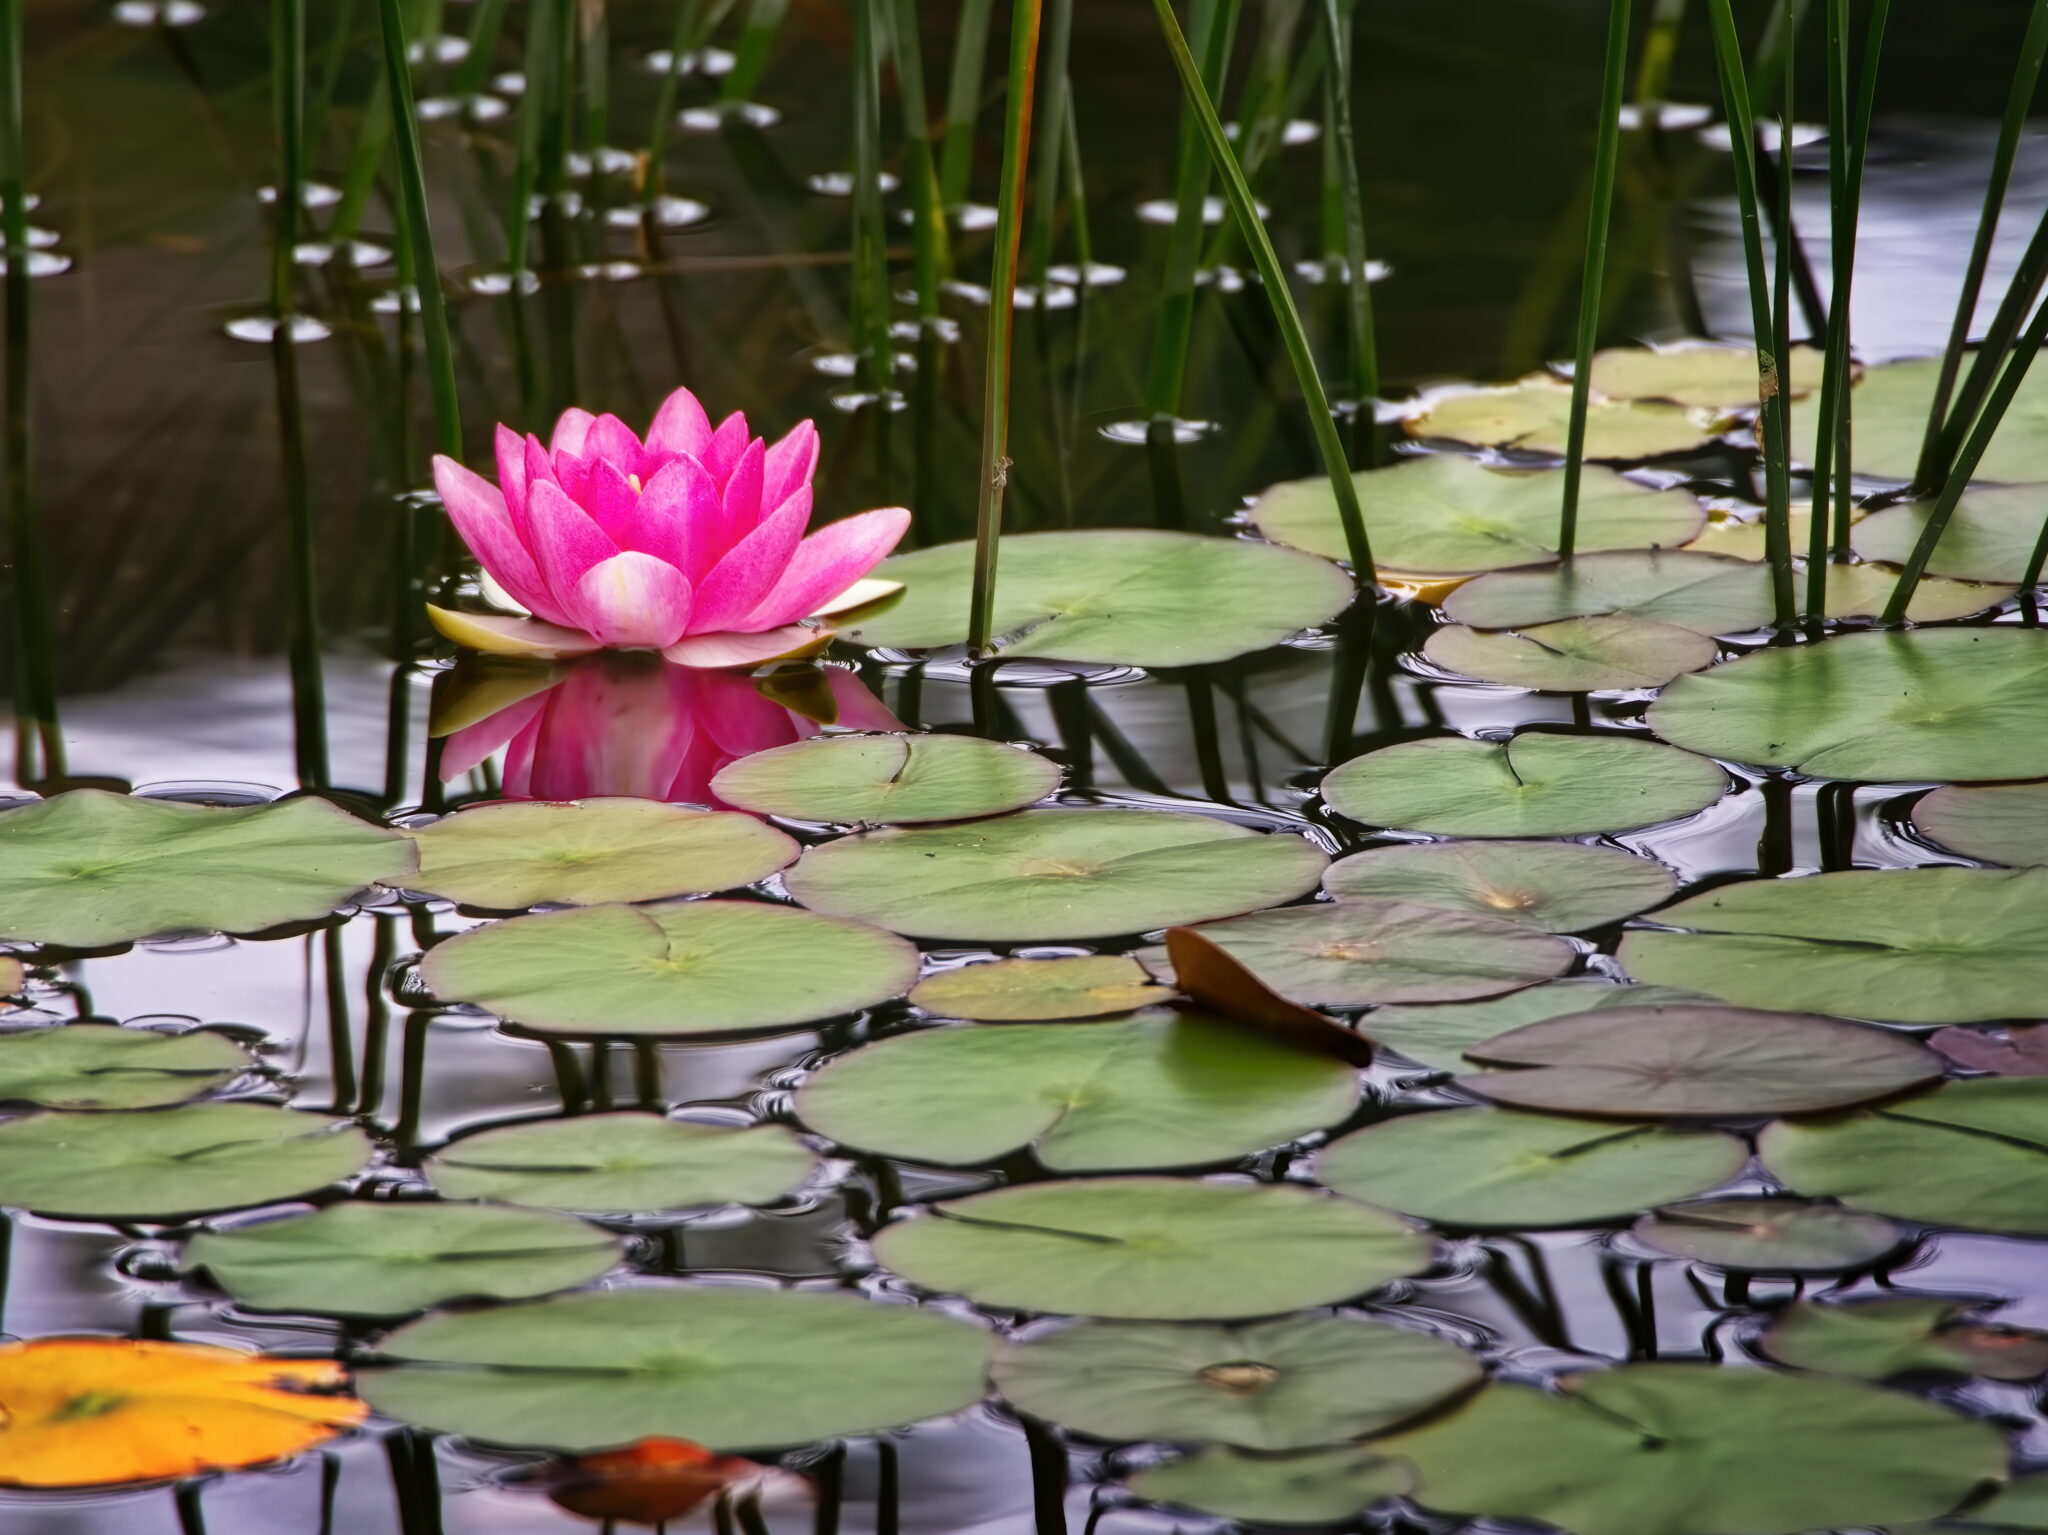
pixel 1124 596
pixel 622 1163
pixel 1877 1339
pixel 1163 1089
pixel 1890 404
pixel 1652 1062
pixel 1153 1249
pixel 730 1368
pixel 1055 875
pixel 1972 1154
pixel 879 780
pixel 1359 951
pixel 1444 514
pixel 1554 887
pixel 1573 655
pixel 1700 374
pixel 1862 591
pixel 1280 1385
pixel 1996 823
pixel 1706 593
pixel 1700 1449
pixel 105 1066
pixel 1535 784
pixel 1024 990
pixel 1320 1487
pixel 695 967
pixel 1439 1036
pixel 1990 535
pixel 1933 945
pixel 390 1258
pixel 1774 1236
pixel 588 852
pixel 162 1163
pixel 1533 416
pixel 88 869
pixel 1483 1168
pixel 1883 706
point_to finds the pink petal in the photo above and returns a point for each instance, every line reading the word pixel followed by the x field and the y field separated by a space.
pixel 566 542
pixel 859 708
pixel 617 725
pixel 827 563
pixel 729 649
pixel 743 578
pixel 680 426
pixel 726 445
pixel 791 463
pixel 678 509
pixel 570 431
pixel 612 501
pixel 611 441
pixel 466 748
pixel 511 449
pixel 633 600
pixel 480 516
pixel 738 513
pixel 744 507
pixel 571 471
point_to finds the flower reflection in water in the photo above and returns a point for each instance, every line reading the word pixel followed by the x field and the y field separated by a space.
pixel 634 724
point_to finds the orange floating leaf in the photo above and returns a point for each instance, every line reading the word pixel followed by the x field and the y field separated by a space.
pixel 649 1482
pixel 84 1412
pixel 1218 981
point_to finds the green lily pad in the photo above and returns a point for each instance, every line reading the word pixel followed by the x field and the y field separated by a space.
pixel 172 1162
pixel 1706 593
pixel 104 1066
pixel 1554 887
pixel 1448 515
pixel 88 869
pixel 1122 596
pixel 1973 1154
pixel 695 967
pixel 1354 952
pixel 1990 535
pixel 2001 823
pixel 1861 591
pixel 880 780
pixel 2021 1504
pixel 622 1164
pixel 588 852
pixel 1163 1089
pixel 1534 416
pixel 1891 403
pixel 1877 1339
pixel 1284 1385
pixel 1941 945
pixel 1055 875
pixel 1881 707
pixel 737 1368
pixel 1777 1236
pixel 1696 373
pixel 1532 785
pixel 1439 1036
pixel 1746 538
pixel 1645 1062
pixel 1153 1249
pixel 1023 990
pixel 1574 655
pixel 1496 1167
pixel 1318 1487
pixel 1699 1449
pixel 389 1259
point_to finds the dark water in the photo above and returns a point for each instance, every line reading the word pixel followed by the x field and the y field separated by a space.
pixel 157 481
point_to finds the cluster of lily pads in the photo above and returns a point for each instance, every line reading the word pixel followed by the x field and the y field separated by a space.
pixel 1191 1227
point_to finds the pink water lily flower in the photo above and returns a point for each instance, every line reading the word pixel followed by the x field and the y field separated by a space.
pixel 690 543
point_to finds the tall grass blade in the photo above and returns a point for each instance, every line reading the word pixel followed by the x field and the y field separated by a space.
pixel 963 101
pixel 757 42
pixel 1026 17
pixel 1593 276
pixel 1773 415
pixel 1660 51
pixel 416 234
pixel 39 738
pixel 1362 374
pixel 1051 119
pixel 1286 317
pixel 1788 259
pixel 2026 78
pixel 874 354
pixel 928 248
pixel 684 41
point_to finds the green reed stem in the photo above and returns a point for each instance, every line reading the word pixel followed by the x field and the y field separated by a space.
pixel 1286 317
pixel 1051 120
pixel 1784 249
pixel 483 43
pixel 1362 345
pixel 1973 449
pixel 2026 78
pixel 40 741
pixel 1025 19
pixel 684 40
pixel 757 42
pixel 1660 51
pixel 288 114
pixel 963 101
pixel 874 351
pixel 416 233
pixel 1593 276
pixel 338 38
pixel 1773 422
pixel 928 247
